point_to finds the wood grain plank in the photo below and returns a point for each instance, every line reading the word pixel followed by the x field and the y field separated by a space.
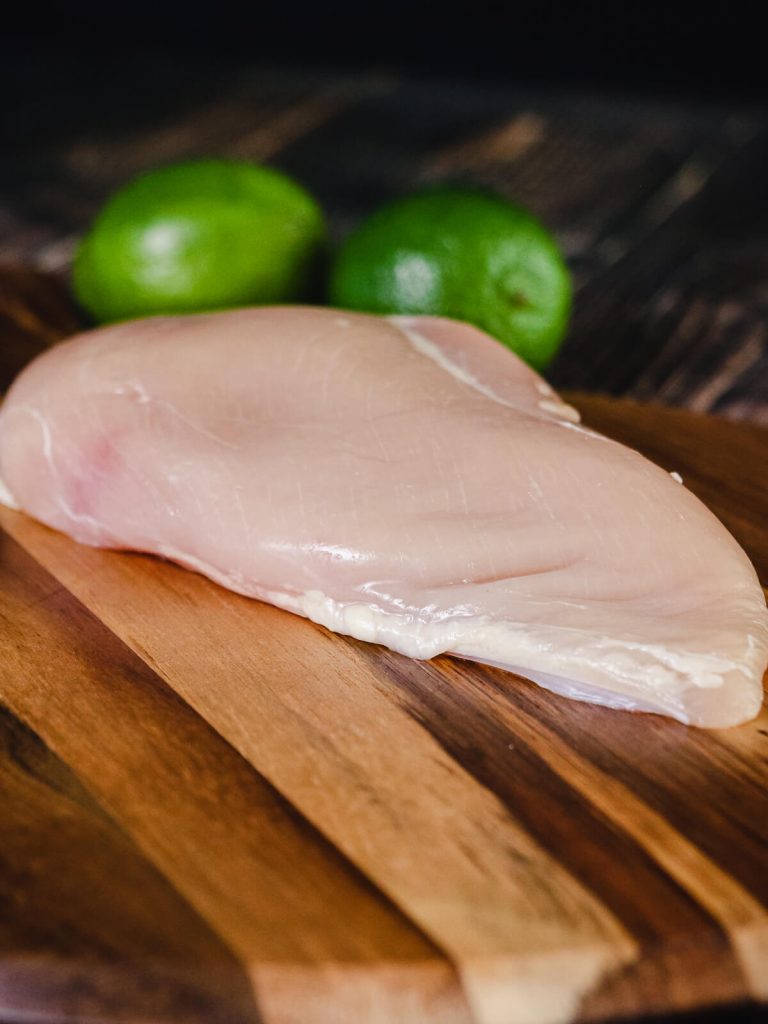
pixel 713 787
pixel 686 800
pixel 316 940
pixel 88 928
pixel 612 841
pixel 526 937
pixel 387 143
pixel 597 182
pixel 246 123
pixel 680 314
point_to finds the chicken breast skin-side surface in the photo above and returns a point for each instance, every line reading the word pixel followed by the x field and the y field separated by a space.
pixel 407 481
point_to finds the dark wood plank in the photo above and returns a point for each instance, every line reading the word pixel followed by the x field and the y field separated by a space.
pixel 680 317
pixel 36 310
pixel 678 937
pixel 88 928
pixel 599 173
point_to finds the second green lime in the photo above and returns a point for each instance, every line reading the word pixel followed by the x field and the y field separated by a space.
pixel 201 235
pixel 462 253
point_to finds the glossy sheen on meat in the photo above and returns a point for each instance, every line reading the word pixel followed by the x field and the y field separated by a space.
pixel 406 481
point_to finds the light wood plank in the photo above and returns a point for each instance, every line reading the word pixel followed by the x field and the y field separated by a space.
pixel 318 942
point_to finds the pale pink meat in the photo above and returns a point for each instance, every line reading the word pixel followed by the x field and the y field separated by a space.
pixel 407 481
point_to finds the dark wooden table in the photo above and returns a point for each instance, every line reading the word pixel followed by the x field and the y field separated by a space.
pixel 660 205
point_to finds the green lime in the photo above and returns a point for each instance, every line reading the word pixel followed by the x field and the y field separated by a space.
pixel 203 235
pixel 461 253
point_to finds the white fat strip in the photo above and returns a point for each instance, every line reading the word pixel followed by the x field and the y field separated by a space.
pixel 6 498
pixel 656 682
pixel 567 412
pixel 432 351
pixel 555 407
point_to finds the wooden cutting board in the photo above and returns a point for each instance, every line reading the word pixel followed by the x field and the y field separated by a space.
pixel 213 810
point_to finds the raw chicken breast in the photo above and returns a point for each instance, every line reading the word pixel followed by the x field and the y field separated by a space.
pixel 407 481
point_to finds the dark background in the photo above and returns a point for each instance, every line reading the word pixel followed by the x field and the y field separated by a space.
pixel 708 50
